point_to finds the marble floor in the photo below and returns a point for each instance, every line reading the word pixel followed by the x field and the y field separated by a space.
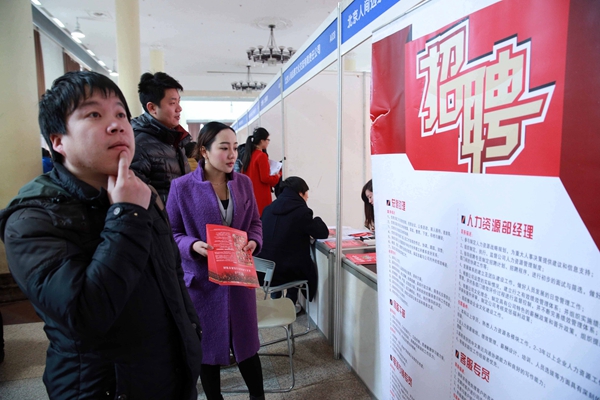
pixel 318 375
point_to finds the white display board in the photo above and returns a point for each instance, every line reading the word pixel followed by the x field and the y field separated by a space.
pixel 485 154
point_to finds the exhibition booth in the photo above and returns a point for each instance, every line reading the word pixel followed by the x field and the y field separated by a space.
pixel 476 121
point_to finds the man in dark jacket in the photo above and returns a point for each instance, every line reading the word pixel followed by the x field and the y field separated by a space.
pixel 159 138
pixel 288 226
pixel 90 245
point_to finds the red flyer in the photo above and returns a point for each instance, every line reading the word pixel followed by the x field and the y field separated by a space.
pixel 365 258
pixel 346 244
pixel 228 264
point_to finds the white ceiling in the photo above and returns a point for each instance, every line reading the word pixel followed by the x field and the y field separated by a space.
pixel 204 42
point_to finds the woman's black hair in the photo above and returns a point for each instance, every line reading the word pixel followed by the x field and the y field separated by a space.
pixel 253 140
pixel 295 183
pixel 207 136
pixel 369 211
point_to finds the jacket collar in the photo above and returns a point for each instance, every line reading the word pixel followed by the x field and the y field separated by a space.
pixel 78 188
pixel 50 191
pixel 146 123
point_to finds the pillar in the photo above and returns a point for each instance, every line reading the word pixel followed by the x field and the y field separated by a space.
pixel 128 51
pixel 20 150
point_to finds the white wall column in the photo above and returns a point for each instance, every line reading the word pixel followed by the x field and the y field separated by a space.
pixel 20 152
pixel 128 51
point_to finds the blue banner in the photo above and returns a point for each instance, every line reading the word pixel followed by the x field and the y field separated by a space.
pixel 361 13
pixel 273 93
pixel 253 113
pixel 323 46
pixel 243 121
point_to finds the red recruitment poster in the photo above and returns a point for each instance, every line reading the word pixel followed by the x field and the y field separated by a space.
pixel 365 258
pixel 484 144
pixel 228 263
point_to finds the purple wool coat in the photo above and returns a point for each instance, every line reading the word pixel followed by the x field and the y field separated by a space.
pixel 227 313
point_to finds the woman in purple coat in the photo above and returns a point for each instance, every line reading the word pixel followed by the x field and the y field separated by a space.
pixel 214 194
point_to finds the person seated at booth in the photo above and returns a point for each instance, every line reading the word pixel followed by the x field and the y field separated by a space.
pixel 288 225
pixel 367 197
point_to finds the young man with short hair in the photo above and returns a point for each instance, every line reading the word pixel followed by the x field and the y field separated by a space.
pixel 90 245
pixel 160 140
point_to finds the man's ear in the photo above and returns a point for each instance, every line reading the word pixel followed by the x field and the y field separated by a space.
pixel 57 143
pixel 152 108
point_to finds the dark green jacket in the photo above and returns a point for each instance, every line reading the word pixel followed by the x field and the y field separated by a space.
pixel 107 281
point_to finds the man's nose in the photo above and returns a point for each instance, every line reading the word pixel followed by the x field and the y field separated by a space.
pixel 116 126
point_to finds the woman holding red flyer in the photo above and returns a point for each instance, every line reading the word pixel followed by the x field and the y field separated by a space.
pixel 214 194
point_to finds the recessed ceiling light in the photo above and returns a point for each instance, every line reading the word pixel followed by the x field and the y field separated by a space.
pixel 77 40
pixel 91 53
pixel 101 63
pixel 36 2
pixel 58 22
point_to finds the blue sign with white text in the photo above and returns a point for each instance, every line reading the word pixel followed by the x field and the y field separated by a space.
pixel 243 121
pixel 361 13
pixel 273 93
pixel 253 113
pixel 323 46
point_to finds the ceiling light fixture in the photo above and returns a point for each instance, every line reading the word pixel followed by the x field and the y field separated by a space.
pixel 113 72
pixel 77 32
pixel 36 2
pixel 248 85
pixel 58 22
pixel 91 53
pixel 272 54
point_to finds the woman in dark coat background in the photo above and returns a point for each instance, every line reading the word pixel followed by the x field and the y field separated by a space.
pixel 288 225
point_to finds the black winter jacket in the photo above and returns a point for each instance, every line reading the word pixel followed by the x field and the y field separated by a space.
pixel 159 153
pixel 107 281
pixel 288 225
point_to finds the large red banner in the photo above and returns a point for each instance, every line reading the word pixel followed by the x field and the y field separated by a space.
pixel 512 89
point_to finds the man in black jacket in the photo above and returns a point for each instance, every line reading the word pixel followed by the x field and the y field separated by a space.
pixel 90 245
pixel 160 139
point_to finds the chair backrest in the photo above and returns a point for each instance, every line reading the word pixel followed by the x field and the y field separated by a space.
pixel 267 267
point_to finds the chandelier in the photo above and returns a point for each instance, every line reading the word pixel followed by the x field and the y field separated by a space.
pixel 248 85
pixel 271 54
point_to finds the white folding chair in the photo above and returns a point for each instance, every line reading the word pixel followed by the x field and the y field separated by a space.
pixel 275 313
pixel 268 268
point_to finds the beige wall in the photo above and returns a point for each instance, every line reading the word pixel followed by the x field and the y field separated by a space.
pixel 271 121
pixel 356 146
pixel 310 115
pixel 20 154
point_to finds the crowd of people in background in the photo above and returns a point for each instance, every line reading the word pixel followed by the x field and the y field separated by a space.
pixel 121 280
